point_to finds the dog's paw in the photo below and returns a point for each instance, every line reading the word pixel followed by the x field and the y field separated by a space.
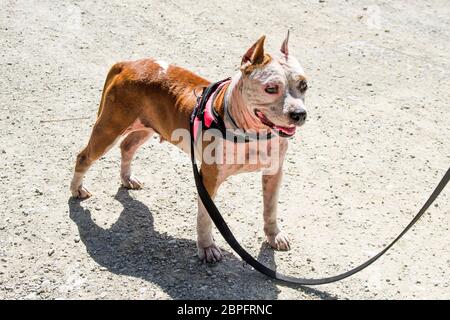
pixel 81 193
pixel 132 182
pixel 279 241
pixel 210 254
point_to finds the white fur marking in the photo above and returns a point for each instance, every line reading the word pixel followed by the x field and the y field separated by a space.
pixel 77 181
pixel 163 64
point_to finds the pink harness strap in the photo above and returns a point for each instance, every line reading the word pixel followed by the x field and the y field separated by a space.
pixel 208 114
pixel 197 124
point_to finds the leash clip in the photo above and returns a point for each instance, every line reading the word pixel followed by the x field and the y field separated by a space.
pixel 197 112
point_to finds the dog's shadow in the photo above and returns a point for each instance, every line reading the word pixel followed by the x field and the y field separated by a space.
pixel 132 247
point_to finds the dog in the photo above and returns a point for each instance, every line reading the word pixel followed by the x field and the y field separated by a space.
pixel 150 96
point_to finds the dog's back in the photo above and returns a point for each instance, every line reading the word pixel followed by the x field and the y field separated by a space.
pixel 155 91
pixel 139 98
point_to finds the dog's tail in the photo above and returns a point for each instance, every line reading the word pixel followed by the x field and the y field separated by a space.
pixel 115 70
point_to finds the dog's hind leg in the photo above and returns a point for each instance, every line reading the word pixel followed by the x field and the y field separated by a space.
pixel 128 148
pixel 111 123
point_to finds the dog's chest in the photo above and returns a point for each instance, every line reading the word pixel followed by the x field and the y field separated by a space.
pixel 253 156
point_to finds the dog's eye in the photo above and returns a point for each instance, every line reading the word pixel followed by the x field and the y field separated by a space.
pixel 271 89
pixel 303 86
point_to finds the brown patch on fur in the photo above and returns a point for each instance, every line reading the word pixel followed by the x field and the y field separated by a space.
pixel 218 103
pixel 163 101
pixel 300 78
pixel 248 68
pixel 115 70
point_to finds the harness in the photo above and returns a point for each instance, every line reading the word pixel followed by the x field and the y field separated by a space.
pixel 205 115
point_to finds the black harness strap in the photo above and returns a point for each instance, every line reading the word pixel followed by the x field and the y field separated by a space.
pixel 234 244
pixel 236 136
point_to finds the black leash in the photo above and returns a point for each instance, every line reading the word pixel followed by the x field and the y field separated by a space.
pixel 234 244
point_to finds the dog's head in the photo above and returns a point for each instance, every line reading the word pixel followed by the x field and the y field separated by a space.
pixel 274 87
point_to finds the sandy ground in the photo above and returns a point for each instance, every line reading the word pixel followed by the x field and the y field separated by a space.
pixel 375 145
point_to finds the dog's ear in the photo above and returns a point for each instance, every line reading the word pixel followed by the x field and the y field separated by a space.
pixel 285 46
pixel 255 55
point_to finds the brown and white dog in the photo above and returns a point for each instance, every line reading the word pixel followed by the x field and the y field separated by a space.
pixel 147 96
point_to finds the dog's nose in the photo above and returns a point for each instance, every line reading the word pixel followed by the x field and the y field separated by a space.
pixel 298 116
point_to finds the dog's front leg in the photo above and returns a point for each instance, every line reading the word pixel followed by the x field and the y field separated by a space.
pixel 207 249
pixel 275 237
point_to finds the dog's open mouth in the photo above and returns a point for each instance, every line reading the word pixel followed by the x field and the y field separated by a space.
pixel 282 131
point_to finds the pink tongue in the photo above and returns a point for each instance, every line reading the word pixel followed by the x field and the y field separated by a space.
pixel 288 131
